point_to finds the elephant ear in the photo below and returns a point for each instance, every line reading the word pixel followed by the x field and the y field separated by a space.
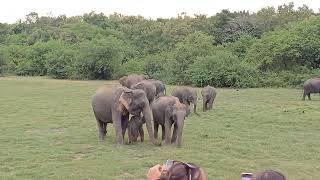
pixel 126 98
pixel 169 111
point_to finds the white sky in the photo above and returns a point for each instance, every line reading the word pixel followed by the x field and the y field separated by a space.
pixel 13 10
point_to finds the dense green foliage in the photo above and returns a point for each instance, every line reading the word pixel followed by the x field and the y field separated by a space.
pixel 272 47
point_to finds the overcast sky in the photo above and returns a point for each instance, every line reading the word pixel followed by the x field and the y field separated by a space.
pixel 13 10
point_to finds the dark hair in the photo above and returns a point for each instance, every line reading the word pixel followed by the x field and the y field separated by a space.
pixel 268 175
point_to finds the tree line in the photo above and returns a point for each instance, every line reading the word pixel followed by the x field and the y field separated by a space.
pixel 273 47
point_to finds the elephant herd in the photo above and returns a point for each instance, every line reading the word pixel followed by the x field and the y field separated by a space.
pixel 146 101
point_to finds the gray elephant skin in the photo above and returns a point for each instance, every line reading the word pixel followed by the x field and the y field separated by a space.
pixel 311 86
pixel 148 87
pixel 114 104
pixel 186 95
pixel 209 94
pixel 168 111
pixel 135 129
pixel 132 79
pixel 160 87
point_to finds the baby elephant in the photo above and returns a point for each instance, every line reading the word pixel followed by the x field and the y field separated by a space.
pixel 208 95
pixel 135 129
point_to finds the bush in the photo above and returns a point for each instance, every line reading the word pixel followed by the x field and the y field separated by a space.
pixel 98 59
pixel 223 69
pixel 59 63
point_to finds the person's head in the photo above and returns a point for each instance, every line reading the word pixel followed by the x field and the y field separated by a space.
pixel 268 175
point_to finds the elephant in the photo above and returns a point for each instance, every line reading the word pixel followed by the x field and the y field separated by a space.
pixel 132 79
pixel 168 111
pixel 311 86
pixel 208 93
pixel 186 95
pixel 114 104
pixel 135 129
pixel 160 87
pixel 148 87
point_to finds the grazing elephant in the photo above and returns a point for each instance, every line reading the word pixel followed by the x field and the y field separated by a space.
pixel 311 86
pixel 186 96
pixel 168 111
pixel 132 79
pixel 135 129
pixel 148 87
pixel 208 95
pixel 160 87
pixel 114 104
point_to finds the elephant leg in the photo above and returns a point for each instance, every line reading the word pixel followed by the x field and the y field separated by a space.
pixel 156 127
pixel 304 96
pixel 174 134
pixel 141 132
pixel 163 132
pixel 124 124
pixel 204 105
pixel 102 129
pixel 309 97
pixel 210 103
pixel 167 132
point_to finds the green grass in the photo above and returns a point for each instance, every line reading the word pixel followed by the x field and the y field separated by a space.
pixel 48 131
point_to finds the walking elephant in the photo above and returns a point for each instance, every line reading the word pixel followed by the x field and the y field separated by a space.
pixel 160 87
pixel 208 93
pixel 168 111
pixel 311 86
pixel 132 79
pixel 186 95
pixel 114 104
pixel 148 87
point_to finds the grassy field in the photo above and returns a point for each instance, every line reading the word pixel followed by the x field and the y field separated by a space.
pixel 48 131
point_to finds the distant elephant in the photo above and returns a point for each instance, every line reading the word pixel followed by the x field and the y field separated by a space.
pixel 208 95
pixel 160 87
pixel 132 79
pixel 186 96
pixel 114 104
pixel 168 111
pixel 311 86
pixel 135 129
pixel 148 87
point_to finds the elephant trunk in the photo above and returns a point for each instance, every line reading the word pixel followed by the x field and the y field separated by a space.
pixel 147 113
pixel 180 124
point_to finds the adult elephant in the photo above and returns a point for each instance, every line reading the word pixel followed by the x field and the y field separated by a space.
pixel 311 86
pixel 132 79
pixel 186 95
pixel 148 87
pixel 114 104
pixel 160 87
pixel 209 94
pixel 168 111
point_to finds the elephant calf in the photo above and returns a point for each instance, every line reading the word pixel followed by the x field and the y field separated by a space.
pixel 135 129
pixel 186 95
pixel 148 87
pixel 168 111
pixel 160 87
pixel 311 86
pixel 208 93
